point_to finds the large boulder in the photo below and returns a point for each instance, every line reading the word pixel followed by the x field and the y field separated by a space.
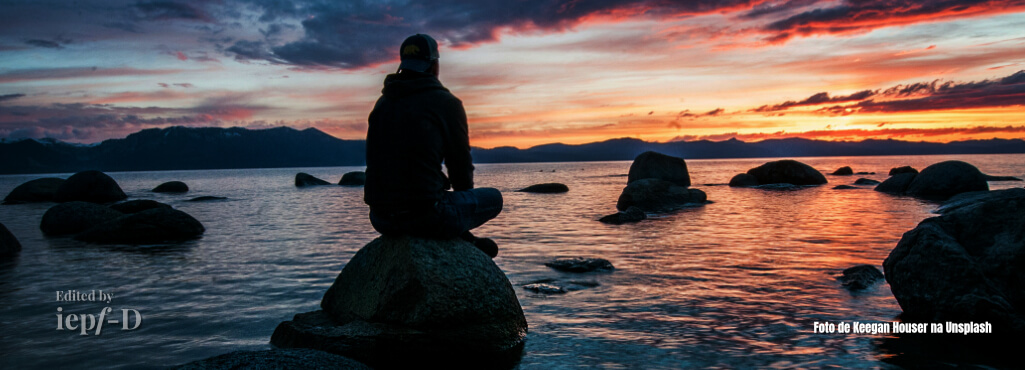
pixel 896 184
pixel 172 187
pixel 743 180
pixel 38 190
pixel 9 245
pixel 843 171
pixel 137 205
pixel 787 171
pixel 157 225
pixel 304 179
pixel 74 217
pixel 966 264
pixel 546 188
pixel 89 186
pixel 275 359
pixel 904 169
pixel 654 195
pixel 943 180
pixel 652 165
pixel 403 299
pixel 354 178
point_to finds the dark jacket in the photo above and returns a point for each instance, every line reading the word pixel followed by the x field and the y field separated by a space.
pixel 415 125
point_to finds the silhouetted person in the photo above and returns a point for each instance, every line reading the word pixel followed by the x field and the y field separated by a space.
pixel 415 126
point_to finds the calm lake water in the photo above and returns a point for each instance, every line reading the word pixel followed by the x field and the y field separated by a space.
pixel 735 283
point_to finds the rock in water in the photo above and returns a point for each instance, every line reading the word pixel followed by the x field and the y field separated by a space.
pixel 652 165
pixel 304 179
pixel 138 205
pixel 860 277
pixel 845 187
pixel 544 288
pixel 1002 178
pixel 744 180
pixel 654 195
pixel 943 180
pixel 905 169
pixel 580 264
pixel 275 359
pixel 172 187
pixel 354 178
pixel 74 217
pixel 864 181
pixel 206 198
pixel 896 184
pixel 787 171
pixel 632 214
pixel 843 171
pixel 9 245
pixel 89 186
pixel 403 300
pixel 965 265
pixel 157 225
pixel 38 190
pixel 546 188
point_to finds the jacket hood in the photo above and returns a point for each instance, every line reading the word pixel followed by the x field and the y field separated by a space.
pixel 409 83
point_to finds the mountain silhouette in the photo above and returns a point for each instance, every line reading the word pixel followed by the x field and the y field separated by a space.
pixel 184 148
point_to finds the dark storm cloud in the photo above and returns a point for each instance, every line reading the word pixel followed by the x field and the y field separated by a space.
pixel 359 34
pixel 1004 92
pixel 44 44
pixel 851 16
pixel 820 98
pixel 7 97
pixel 165 10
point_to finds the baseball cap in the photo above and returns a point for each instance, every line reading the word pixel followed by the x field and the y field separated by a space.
pixel 418 52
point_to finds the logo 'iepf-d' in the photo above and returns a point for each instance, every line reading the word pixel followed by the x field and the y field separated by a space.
pixel 411 50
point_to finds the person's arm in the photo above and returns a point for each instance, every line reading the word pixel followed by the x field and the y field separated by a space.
pixel 457 153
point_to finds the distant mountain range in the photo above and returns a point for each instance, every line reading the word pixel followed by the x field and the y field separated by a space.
pixel 182 148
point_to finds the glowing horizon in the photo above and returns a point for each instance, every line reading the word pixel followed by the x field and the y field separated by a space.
pixel 542 73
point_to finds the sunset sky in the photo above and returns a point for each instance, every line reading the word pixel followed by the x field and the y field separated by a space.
pixel 529 72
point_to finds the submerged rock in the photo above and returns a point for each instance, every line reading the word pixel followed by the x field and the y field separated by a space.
pixel 34 191
pixel 89 186
pixel 743 180
pixel 580 264
pixel 864 181
pixel 304 179
pixel 276 359
pixel 547 188
pixel 965 265
pixel 632 214
pixel 787 171
pixel 354 178
pixel 403 301
pixel 75 217
pixel 157 225
pixel 905 169
pixel 138 205
pixel 654 195
pixel 943 180
pixel 1001 178
pixel 171 187
pixel 896 184
pixel 860 277
pixel 845 187
pixel 205 198
pixel 843 171
pixel 653 165
pixel 9 245
pixel 545 288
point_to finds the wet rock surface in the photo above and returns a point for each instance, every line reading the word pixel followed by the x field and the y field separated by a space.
pixel 546 188
pixel 35 191
pixel 965 265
